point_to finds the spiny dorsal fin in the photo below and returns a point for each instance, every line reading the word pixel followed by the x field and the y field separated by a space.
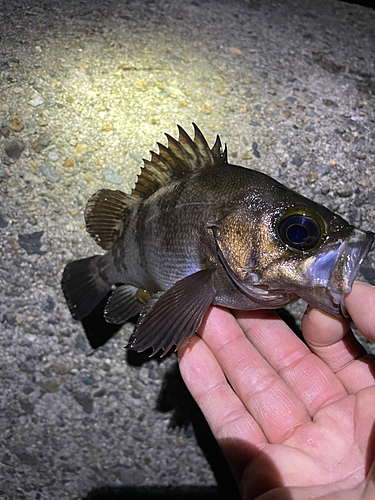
pixel 107 211
pixel 177 159
pixel 202 145
pixel 190 146
pixel 105 215
pixel 219 155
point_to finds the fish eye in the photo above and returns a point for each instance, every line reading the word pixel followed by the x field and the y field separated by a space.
pixel 301 229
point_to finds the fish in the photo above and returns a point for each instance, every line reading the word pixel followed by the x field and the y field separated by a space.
pixel 197 231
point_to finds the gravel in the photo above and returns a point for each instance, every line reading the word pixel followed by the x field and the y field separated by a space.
pixel 86 89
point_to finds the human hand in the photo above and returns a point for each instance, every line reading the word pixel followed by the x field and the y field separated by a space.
pixel 294 421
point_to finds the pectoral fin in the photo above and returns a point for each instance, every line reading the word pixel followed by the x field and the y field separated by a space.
pixel 173 318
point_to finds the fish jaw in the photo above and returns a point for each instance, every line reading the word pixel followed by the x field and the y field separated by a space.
pixel 332 274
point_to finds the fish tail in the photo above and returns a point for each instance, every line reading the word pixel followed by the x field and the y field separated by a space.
pixel 84 286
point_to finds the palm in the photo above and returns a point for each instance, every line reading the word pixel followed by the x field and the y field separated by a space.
pixel 294 420
pixel 323 452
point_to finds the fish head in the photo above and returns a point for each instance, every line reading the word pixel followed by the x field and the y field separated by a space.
pixel 290 248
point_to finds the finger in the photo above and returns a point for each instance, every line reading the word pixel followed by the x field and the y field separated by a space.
pixel 270 401
pixel 312 381
pixel 360 304
pixel 232 425
pixel 333 341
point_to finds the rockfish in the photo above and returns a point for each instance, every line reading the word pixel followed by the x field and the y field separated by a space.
pixel 197 231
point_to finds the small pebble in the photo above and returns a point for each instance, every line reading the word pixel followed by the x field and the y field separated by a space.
pixel 255 150
pixel 37 101
pixel 14 149
pixel 323 169
pixel 354 125
pixel 68 163
pixel 313 177
pixel 49 386
pixel 85 401
pixel 89 379
pixel 13 243
pixel 61 369
pixel 112 177
pixel 38 88
pixel 5 131
pixel 26 406
pixel 345 192
pixel 32 242
pixel 53 156
pixel 100 393
pixel 17 124
pixel 49 173
pixel 41 143
pixel 359 156
pixel 297 161
pixel 10 319
pixel 49 305
pixel 330 103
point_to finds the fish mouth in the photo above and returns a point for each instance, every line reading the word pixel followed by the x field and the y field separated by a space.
pixel 337 269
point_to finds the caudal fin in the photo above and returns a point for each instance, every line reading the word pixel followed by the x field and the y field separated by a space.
pixel 83 286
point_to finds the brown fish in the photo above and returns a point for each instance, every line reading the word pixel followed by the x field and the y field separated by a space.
pixel 197 231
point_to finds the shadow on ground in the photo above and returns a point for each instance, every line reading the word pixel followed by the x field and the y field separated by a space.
pixel 174 398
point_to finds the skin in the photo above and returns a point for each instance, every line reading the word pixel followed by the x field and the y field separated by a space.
pixel 295 421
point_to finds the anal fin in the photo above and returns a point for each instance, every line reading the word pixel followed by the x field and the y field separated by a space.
pixel 172 318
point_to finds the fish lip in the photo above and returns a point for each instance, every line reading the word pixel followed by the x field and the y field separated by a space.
pixel 347 266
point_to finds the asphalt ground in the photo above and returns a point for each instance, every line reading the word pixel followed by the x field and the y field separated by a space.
pixel 86 90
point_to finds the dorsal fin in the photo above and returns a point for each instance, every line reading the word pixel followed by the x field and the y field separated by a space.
pixel 177 159
pixel 219 155
pixel 202 145
pixel 106 214
pixel 190 146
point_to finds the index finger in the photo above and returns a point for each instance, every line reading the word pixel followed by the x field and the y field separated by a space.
pixel 333 341
pixel 360 304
